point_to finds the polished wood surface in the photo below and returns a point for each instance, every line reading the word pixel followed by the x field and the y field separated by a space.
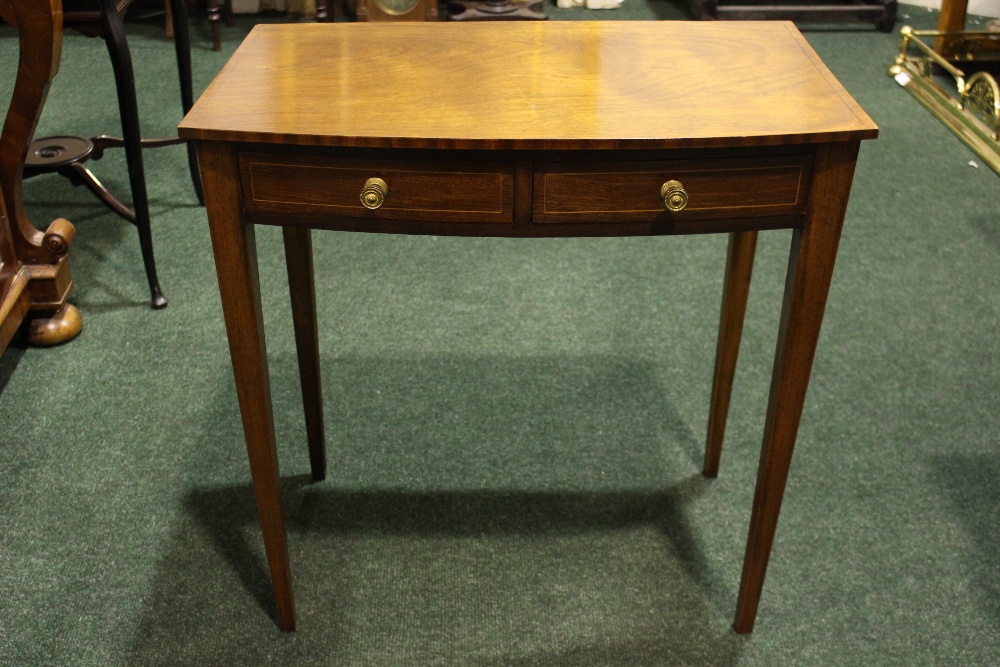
pixel 952 19
pixel 301 164
pixel 35 281
pixel 586 84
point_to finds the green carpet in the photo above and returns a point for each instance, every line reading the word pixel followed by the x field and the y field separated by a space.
pixel 514 428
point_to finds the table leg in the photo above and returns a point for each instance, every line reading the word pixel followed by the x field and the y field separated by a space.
pixel 239 287
pixel 182 48
pixel 810 267
pixel 952 19
pixel 735 289
pixel 213 22
pixel 302 285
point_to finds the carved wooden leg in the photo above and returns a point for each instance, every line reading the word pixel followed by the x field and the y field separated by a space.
pixel 182 47
pixel 239 287
pixel 952 19
pixel 35 278
pixel 121 61
pixel 810 267
pixel 322 14
pixel 213 22
pixel 302 285
pixel 736 288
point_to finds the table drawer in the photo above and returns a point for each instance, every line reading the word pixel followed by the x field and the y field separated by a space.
pixel 415 190
pixel 630 191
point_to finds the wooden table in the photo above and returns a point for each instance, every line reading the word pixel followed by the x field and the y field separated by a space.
pixel 582 138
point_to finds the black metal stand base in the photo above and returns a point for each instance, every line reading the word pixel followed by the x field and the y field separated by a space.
pixel 66 156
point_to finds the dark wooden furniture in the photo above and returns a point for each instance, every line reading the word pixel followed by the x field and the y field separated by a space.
pixel 607 129
pixel 67 155
pixel 216 14
pixel 881 13
pixel 956 44
pixel 34 268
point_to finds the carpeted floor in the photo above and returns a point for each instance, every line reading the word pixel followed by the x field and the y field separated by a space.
pixel 514 428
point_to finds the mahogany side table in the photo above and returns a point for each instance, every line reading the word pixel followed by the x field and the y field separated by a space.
pixel 651 128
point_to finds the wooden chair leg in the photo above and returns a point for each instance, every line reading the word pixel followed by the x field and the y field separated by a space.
pixel 182 47
pixel 736 288
pixel 229 13
pixel 302 285
pixel 213 22
pixel 121 61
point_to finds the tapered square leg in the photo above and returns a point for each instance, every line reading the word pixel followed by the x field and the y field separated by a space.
pixel 302 285
pixel 236 263
pixel 735 289
pixel 810 268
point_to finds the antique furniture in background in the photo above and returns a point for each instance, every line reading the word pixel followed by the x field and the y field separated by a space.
pixel 955 43
pixel 34 269
pixel 214 16
pixel 496 10
pixel 397 10
pixel 971 107
pixel 642 147
pixel 881 13
pixel 213 20
pixel 67 155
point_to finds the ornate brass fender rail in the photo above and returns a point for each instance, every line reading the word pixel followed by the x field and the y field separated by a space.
pixel 972 112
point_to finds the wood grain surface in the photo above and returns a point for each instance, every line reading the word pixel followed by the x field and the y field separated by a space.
pixel 587 84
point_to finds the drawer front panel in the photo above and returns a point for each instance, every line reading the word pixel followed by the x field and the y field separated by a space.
pixel 630 191
pixel 416 190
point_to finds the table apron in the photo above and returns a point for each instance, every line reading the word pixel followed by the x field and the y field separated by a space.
pixel 572 194
pixel 665 227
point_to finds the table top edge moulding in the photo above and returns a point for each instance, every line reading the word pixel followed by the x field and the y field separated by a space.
pixel 588 84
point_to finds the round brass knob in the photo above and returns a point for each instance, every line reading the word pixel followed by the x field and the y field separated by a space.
pixel 373 194
pixel 674 196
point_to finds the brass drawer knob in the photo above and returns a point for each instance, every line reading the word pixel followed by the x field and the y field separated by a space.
pixel 373 194
pixel 674 196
